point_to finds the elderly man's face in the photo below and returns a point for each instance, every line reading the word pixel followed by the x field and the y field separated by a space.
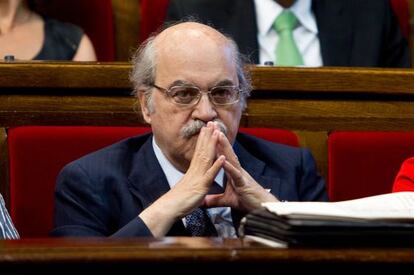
pixel 199 61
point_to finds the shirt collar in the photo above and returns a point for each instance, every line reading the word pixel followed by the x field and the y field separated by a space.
pixel 268 10
pixel 172 174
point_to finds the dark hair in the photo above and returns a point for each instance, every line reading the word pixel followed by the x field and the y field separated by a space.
pixel 39 6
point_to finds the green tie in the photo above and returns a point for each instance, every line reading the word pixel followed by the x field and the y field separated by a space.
pixel 287 52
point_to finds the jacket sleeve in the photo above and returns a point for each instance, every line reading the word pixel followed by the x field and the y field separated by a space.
pixel 312 185
pixel 82 208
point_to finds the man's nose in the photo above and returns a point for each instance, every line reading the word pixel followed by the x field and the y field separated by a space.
pixel 205 109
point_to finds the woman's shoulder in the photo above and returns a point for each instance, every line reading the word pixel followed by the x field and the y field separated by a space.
pixel 64 29
pixel 61 40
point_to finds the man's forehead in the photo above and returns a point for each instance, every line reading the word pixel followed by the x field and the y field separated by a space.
pixel 195 53
pixel 188 32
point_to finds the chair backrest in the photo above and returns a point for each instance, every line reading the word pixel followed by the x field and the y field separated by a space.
pixel 401 10
pixel 153 14
pixel 365 163
pixel 38 153
pixel 94 16
pixel 273 134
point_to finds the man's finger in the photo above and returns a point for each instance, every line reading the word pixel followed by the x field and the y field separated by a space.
pixel 214 200
pixel 212 172
pixel 235 174
pixel 227 150
pixel 205 151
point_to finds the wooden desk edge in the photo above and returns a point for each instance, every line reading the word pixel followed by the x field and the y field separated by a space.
pixel 186 249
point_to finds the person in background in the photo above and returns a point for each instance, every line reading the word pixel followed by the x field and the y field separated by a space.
pixel 325 32
pixel 26 35
pixel 405 177
pixel 194 175
pixel 7 230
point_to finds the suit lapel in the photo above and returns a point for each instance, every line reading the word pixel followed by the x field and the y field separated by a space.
pixel 335 30
pixel 255 168
pixel 147 181
pixel 243 27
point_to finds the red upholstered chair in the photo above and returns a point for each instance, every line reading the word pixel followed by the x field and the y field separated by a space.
pixel 273 134
pixel 401 10
pixel 94 16
pixel 153 14
pixel 363 164
pixel 38 153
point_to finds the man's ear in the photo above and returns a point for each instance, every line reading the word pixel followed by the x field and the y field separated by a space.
pixel 146 114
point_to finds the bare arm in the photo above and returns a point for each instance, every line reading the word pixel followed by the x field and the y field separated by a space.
pixel 86 51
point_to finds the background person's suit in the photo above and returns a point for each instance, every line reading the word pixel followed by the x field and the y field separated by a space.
pixel 351 32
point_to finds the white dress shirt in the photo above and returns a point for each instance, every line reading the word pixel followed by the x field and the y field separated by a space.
pixel 305 35
pixel 220 216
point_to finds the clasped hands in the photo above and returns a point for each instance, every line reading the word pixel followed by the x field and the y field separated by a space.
pixel 212 152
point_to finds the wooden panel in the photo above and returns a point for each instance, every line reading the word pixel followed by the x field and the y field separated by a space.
pixel 317 142
pixel 18 110
pixel 331 114
pixel 63 77
pixel 127 22
pixel 334 80
pixel 192 255
pixel 308 81
pixel 315 115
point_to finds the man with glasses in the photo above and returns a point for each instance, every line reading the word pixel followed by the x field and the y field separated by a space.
pixel 194 175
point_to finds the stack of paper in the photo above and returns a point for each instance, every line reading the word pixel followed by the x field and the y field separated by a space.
pixel 381 220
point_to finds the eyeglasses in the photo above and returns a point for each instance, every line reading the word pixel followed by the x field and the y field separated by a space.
pixel 190 95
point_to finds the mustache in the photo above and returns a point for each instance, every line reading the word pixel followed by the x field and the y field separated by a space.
pixel 194 127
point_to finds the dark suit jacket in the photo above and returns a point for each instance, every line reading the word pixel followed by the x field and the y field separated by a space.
pixel 102 193
pixel 357 33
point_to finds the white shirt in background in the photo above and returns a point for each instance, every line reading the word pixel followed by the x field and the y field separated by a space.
pixel 305 35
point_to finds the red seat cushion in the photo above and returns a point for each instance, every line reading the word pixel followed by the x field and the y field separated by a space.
pixel 273 134
pixel 38 153
pixel 365 163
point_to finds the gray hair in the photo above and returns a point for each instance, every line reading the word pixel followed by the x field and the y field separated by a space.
pixel 143 72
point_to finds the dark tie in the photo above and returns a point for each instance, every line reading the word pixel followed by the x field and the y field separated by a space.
pixel 198 222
